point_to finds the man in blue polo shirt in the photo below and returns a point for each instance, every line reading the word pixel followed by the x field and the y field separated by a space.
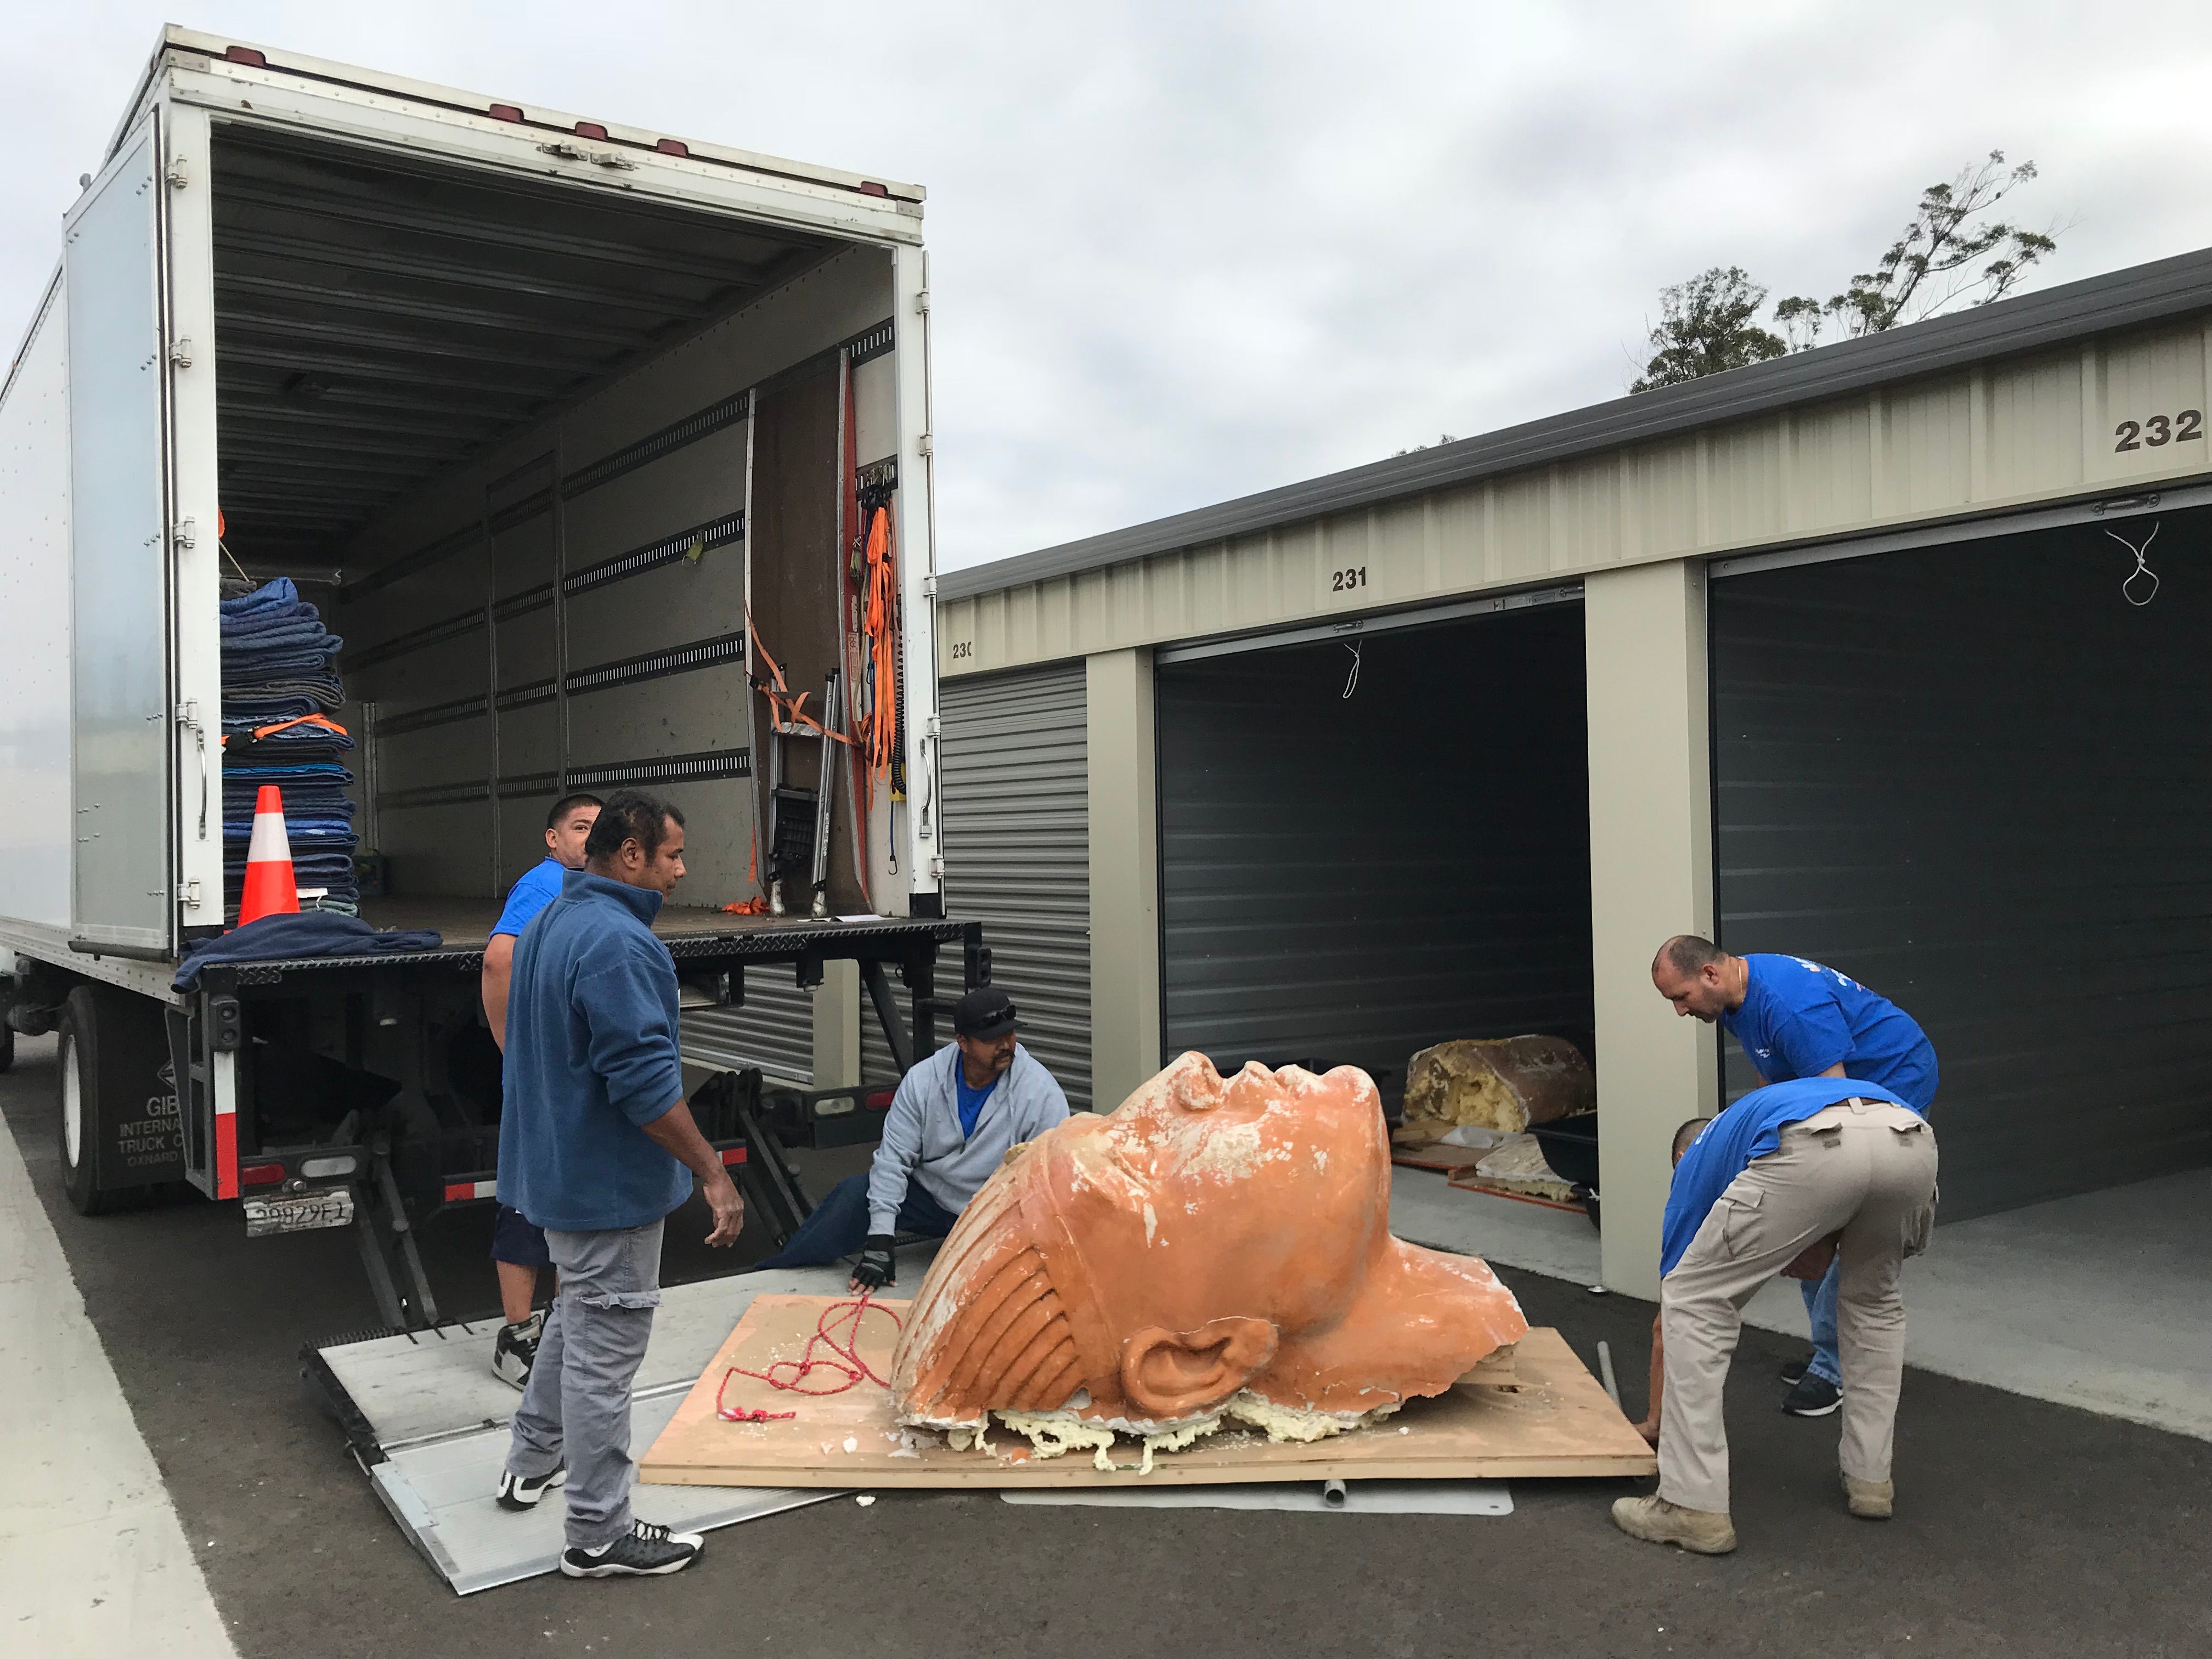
pixel 518 1247
pixel 1790 1179
pixel 1799 1019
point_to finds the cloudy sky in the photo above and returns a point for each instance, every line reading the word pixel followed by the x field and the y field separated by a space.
pixel 1185 252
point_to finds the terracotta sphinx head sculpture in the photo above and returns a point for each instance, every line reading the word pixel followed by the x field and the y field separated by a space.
pixel 1210 1240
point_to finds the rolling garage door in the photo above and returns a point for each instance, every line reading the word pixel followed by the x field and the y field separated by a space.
pixel 1018 859
pixel 774 1030
pixel 1979 780
pixel 1350 870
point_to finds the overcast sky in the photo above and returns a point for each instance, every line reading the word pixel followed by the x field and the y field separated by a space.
pixel 1182 251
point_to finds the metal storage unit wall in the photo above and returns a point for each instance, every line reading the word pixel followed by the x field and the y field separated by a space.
pixel 1348 879
pixel 1978 780
pixel 1017 855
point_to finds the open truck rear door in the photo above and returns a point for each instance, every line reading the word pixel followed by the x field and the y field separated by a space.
pixel 122 779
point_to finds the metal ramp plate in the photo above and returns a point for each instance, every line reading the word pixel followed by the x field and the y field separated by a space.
pixel 429 1424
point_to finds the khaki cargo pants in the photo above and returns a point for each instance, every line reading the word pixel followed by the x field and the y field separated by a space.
pixel 1864 1168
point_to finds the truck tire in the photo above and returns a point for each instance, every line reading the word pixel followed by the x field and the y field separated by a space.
pixel 7 1044
pixel 78 1102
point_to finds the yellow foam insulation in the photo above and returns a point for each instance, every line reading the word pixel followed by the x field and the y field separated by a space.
pixel 1493 1082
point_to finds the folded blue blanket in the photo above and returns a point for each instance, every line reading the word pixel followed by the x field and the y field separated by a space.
pixel 317 773
pixel 310 934
pixel 323 690
pixel 286 662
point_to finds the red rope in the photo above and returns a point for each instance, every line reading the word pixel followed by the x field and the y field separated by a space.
pixel 847 1363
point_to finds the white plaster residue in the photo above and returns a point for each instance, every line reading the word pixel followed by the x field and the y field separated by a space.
pixel 1151 1224
pixel 1320 1157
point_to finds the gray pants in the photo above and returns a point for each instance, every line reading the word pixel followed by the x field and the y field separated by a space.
pixel 1865 1168
pixel 577 1405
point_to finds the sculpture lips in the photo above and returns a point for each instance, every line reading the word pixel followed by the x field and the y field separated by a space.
pixel 1210 1240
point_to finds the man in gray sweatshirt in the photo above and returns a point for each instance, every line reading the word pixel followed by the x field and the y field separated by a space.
pixel 949 1127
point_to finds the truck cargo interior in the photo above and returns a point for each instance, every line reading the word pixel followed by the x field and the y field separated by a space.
pixel 1374 843
pixel 498 429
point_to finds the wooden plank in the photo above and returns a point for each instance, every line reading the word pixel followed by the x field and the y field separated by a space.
pixel 1554 1420
pixel 1435 1155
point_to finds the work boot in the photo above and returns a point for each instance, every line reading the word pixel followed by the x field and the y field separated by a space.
pixel 516 1350
pixel 1870 1500
pixel 1655 1521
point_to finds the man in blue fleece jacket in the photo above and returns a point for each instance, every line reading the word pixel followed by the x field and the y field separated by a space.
pixel 596 1146
pixel 949 1127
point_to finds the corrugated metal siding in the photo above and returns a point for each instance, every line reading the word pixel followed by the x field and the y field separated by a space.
pixel 1977 779
pixel 1349 879
pixel 774 1030
pixel 1017 860
pixel 2009 434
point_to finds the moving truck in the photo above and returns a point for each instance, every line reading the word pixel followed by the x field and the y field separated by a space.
pixel 606 454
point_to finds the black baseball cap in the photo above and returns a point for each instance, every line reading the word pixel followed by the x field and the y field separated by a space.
pixel 983 1013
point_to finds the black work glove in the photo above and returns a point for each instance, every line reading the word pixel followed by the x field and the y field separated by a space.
pixel 876 1269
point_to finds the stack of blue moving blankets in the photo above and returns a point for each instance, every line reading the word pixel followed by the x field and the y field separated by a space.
pixel 280 696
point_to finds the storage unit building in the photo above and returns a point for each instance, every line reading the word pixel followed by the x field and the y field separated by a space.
pixel 1848 654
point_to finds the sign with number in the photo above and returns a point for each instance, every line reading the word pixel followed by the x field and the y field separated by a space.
pixel 2158 430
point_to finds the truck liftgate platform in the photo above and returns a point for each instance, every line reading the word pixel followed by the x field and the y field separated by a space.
pixel 364 1091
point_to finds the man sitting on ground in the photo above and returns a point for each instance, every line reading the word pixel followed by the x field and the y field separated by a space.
pixel 949 1126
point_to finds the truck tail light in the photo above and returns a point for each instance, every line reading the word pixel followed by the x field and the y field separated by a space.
pixel 261 1174
pixel 590 129
pixel 870 187
pixel 673 147
pixel 881 1100
pixel 505 112
pixel 247 55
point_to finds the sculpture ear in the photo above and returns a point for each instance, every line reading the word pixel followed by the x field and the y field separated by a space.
pixel 1180 1373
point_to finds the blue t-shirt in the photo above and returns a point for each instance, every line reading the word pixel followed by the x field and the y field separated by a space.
pixel 971 1100
pixel 1725 1147
pixel 1799 1018
pixel 537 889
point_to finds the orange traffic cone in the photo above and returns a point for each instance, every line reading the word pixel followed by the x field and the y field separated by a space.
pixel 269 889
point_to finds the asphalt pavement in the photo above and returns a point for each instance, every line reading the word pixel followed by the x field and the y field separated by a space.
pixel 2022 1528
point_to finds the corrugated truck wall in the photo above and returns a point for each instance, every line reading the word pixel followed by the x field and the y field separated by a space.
pixel 1349 879
pixel 1017 849
pixel 1978 780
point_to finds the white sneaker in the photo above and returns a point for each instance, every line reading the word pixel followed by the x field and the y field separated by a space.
pixel 516 1350
pixel 644 1551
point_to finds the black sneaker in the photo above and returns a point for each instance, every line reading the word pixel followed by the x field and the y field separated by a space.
pixel 1795 1370
pixel 517 1493
pixel 644 1551
pixel 516 1351
pixel 1814 1396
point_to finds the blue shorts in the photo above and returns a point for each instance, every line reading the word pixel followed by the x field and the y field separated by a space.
pixel 518 1240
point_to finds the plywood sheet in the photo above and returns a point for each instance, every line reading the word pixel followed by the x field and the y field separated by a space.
pixel 1435 1155
pixel 1554 1420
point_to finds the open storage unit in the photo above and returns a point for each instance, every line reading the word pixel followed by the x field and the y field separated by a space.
pixel 1978 777
pixel 1369 846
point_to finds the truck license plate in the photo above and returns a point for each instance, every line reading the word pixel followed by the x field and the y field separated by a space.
pixel 299 1212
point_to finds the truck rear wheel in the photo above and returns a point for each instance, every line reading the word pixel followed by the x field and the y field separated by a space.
pixel 79 1100
pixel 7 1044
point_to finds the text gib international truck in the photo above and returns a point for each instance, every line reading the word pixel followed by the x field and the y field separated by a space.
pixel 579 435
